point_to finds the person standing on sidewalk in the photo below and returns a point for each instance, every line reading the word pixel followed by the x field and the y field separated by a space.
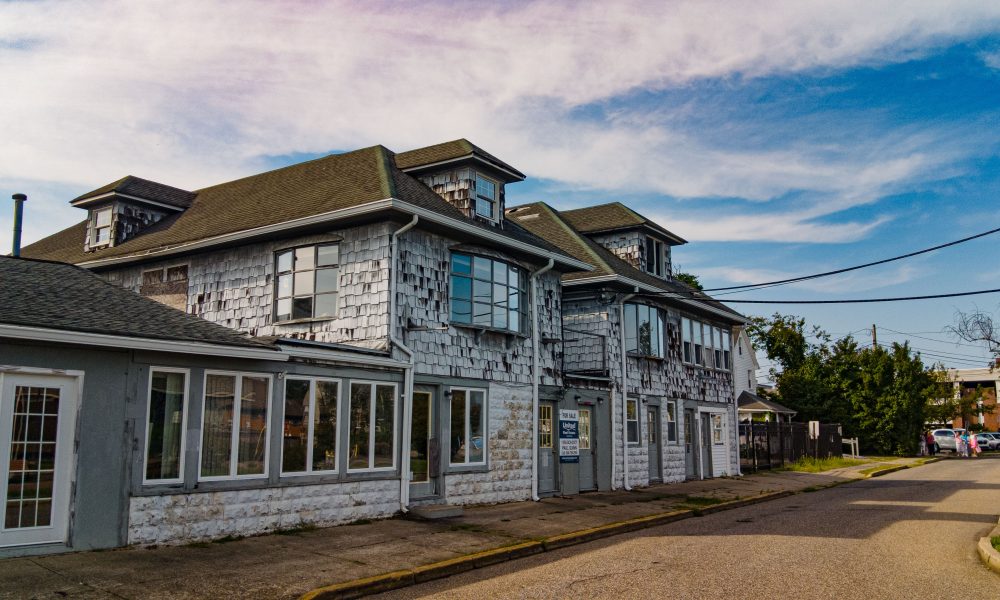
pixel 973 445
pixel 931 444
pixel 959 444
pixel 922 451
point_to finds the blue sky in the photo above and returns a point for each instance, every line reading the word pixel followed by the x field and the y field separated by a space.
pixel 780 138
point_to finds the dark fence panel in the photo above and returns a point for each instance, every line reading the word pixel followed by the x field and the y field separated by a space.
pixel 771 445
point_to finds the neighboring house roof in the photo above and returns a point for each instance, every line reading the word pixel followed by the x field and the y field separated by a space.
pixel 748 402
pixel 614 216
pixel 545 221
pixel 366 180
pixel 140 188
pixel 453 151
pixel 56 296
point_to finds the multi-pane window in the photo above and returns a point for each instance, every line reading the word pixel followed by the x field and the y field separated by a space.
pixel 584 416
pixel 486 197
pixel 655 255
pixel 234 425
pixel 632 420
pixel 717 429
pixel 165 426
pixel 31 478
pixel 704 344
pixel 488 293
pixel 671 421
pixel 643 330
pixel 307 282
pixel 309 436
pixel 545 426
pixel 101 233
pixel 468 427
pixel 372 427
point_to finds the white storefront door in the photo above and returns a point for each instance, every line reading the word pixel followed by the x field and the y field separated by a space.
pixel 37 423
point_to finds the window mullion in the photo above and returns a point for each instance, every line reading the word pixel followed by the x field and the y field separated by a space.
pixel 234 452
pixel 310 428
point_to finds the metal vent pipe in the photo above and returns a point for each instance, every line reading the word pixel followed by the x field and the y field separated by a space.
pixel 18 211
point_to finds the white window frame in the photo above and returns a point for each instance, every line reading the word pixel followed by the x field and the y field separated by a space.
pixel 94 227
pixel 495 200
pixel 184 417
pixel 371 428
pixel 468 426
pixel 716 418
pixel 234 433
pixel 671 418
pixel 658 255
pixel 637 420
pixel 313 380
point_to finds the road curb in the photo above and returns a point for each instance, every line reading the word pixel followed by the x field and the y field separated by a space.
pixel 987 553
pixel 898 468
pixel 446 568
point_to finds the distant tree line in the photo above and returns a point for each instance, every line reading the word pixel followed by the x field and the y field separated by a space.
pixel 882 395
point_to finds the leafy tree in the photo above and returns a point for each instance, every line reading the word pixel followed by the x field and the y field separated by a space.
pixel 688 278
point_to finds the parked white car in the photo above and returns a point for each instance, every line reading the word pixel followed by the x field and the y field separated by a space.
pixel 945 438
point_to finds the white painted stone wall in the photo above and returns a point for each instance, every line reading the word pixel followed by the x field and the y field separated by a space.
pixel 509 452
pixel 207 515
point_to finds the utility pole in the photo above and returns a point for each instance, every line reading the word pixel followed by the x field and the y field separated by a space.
pixel 874 336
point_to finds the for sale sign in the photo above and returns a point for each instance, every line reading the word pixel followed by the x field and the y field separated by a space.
pixel 569 436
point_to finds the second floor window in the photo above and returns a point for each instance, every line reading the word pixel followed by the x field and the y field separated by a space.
pixel 643 330
pixel 486 197
pixel 655 262
pixel 307 282
pixel 102 227
pixel 487 293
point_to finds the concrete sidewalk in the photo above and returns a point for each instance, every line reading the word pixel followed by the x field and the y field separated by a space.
pixel 289 564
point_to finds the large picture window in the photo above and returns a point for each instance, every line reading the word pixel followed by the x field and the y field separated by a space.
pixel 488 293
pixel 372 427
pixel 632 420
pixel 309 437
pixel 234 425
pixel 307 282
pixel 486 197
pixel 165 412
pixel 468 427
pixel 643 330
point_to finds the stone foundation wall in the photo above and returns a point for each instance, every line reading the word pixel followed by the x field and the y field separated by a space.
pixel 202 516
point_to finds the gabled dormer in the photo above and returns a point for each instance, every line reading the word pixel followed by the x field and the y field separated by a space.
pixel 122 209
pixel 632 237
pixel 465 175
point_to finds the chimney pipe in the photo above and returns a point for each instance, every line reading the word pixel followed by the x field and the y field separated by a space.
pixel 18 211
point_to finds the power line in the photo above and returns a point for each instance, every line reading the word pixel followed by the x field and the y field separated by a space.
pixel 854 268
pixel 862 300
pixel 906 333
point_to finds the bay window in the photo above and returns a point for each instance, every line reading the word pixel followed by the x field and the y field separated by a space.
pixel 309 437
pixel 643 330
pixel 372 427
pixel 468 427
pixel 306 282
pixel 488 293
pixel 234 425
pixel 165 413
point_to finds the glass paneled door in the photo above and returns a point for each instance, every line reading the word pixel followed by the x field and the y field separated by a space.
pixel 425 454
pixel 37 418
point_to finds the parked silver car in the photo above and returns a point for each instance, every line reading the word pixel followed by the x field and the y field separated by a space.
pixel 945 438
pixel 988 441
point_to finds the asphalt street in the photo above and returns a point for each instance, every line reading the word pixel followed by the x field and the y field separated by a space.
pixel 910 534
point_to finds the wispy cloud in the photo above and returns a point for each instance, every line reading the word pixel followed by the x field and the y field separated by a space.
pixel 859 281
pixel 192 93
pixel 991 59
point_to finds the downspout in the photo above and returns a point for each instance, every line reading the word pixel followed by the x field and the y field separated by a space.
pixel 624 388
pixel 404 479
pixel 534 377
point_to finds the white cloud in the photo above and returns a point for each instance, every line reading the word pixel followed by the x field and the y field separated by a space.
pixel 192 93
pixel 991 59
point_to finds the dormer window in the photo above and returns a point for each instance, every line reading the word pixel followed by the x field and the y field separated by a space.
pixel 655 253
pixel 486 198
pixel 101 228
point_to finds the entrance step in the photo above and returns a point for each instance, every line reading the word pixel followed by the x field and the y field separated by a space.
pixel 433 512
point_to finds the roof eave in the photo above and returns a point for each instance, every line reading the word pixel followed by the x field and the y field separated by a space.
pixel 511 172
pixel 84 202
pixel 643 287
